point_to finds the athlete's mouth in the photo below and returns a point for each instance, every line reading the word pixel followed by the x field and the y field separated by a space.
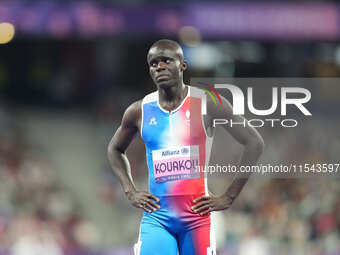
pixel 162 77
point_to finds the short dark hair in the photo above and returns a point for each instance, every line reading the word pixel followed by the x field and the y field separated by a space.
pixel 166 42
pixel 169 43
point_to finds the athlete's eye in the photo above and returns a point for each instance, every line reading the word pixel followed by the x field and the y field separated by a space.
pixel 168 61
pixel 153 64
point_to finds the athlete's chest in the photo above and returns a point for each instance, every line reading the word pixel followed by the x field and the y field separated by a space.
pixel 181 127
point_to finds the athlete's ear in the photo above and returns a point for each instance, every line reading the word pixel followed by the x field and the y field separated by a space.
pixel 184 65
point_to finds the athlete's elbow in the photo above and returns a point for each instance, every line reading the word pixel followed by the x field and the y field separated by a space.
pixel 109 151
pixel 112 150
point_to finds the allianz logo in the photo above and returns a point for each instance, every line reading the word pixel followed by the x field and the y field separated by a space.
pixel 175 152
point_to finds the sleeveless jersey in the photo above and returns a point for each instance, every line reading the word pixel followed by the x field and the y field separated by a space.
pixel 177 146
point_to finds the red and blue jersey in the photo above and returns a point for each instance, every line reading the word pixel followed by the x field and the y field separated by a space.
pixel 177 145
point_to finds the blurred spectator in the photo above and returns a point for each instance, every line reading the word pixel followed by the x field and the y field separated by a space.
pixel 37 215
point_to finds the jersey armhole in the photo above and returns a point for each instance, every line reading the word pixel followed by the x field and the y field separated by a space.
pixel 202 119
pixel 204 128
pixel 147 99
pixel 142 119
pixel 200 94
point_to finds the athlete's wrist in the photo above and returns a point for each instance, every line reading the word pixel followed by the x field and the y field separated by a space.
pixel 130 192
pixel 229 197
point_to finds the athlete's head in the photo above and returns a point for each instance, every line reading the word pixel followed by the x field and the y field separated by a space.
pixel 166 63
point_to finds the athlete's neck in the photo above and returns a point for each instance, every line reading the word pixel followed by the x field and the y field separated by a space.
pixel 171 98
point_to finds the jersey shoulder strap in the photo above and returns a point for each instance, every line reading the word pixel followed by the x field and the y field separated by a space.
pixel 151 97
pixel 196 92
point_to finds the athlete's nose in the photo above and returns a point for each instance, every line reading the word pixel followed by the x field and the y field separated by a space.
pixel 160 66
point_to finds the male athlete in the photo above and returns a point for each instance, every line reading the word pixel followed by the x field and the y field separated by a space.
pixel 178 139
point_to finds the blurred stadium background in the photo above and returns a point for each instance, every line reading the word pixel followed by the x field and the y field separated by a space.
pixel 73 67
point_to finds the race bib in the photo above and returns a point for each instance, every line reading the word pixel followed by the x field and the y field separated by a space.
pixel 176 163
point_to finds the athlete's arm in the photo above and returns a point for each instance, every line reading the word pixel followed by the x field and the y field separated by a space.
pixel 120 163
pixel 253 148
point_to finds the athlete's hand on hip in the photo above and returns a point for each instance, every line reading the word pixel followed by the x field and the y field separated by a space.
pixel 206 204
pixel 144 200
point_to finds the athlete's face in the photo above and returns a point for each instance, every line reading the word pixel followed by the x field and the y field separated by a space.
pixel 166 66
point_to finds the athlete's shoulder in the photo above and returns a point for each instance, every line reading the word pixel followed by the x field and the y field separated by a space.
pixel 151 97
pixel 132 114
pixel 196 92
